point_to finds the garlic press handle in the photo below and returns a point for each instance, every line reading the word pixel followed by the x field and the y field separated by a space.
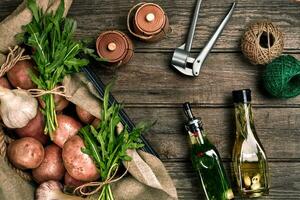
pixel 189 40
pixel 203 54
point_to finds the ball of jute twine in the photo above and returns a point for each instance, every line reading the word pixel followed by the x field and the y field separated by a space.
pixel 262 42
pixel 5 140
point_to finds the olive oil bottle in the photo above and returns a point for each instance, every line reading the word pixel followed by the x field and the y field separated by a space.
pixel 249 158
pixel 206 160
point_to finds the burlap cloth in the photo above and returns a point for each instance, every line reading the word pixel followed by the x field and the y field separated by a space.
pixel 147 178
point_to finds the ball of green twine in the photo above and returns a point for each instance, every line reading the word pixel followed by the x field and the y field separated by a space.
pixel 282 77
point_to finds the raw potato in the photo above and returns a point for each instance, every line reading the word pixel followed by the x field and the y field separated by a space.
pixel 19 76
pixel 35 129
pixel 72 182
pixel 4 83
pixel 52 167
pixel 96 122
pixel 67 127
pixel 60 103
pixel 84 116
pixel 25 153
pixel 78 164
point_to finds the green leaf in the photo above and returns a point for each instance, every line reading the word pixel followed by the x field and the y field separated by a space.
pixel 90 144
pixel 76 63
pixel 126 158
pixel 31 4
pixel 60 11
pixel 20 37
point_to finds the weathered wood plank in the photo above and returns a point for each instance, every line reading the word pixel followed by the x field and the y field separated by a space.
pixel 285 180
pixel 112 14
pixel 277 128
pixel 149 79
pixel 96 16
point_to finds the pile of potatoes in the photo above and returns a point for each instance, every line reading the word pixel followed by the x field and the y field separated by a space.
pixel 61 159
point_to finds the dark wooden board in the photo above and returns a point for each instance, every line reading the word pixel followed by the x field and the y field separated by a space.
pixel 149 79
pixel 276 127
pixel 284 180
pixel 99 15
pixel 96 16
pixel 151 90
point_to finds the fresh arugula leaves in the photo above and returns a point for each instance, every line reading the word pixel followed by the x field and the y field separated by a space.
pixel 55 52
pixel 106 146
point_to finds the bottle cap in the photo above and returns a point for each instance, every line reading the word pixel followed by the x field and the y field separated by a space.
pixel 188 111
pixel 241 96
pixel 150 18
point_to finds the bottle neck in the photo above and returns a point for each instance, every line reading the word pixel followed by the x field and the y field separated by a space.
pixel 196 132
pixel 244 119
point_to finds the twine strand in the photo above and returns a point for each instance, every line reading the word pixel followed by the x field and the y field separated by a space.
pixel 99 185
pixel 15 55
pixel 59 90
pixel 269 42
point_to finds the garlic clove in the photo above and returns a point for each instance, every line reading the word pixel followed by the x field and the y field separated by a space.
pixel 247 181
pixel 255 186
pixel 256 179
pixel 256 182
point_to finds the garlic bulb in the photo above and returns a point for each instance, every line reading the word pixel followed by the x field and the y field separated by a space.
pixel 52 190
pixel 17 107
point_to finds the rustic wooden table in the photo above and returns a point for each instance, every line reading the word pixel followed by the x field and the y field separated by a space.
pixel 151 90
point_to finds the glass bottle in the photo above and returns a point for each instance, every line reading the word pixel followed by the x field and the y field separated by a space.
pixel 206 160
pixel 249 158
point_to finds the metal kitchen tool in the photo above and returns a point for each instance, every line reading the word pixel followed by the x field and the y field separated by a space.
pixel 182 61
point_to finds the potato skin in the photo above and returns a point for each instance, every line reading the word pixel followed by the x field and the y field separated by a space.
pixel 19 76
pixel 96 122
pixel 60 103
pixel 52 167
pixel 67 127
pixel 84 116
pixel 25 153
pixel 78 164
pixel 4 83
pixel 34 128
pixel 72 182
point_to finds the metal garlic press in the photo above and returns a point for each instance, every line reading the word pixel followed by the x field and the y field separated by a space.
pixel 182 61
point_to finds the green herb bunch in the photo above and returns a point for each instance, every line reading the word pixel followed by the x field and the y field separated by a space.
pixel 243 112
pixel 55 52
pixel 106 146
